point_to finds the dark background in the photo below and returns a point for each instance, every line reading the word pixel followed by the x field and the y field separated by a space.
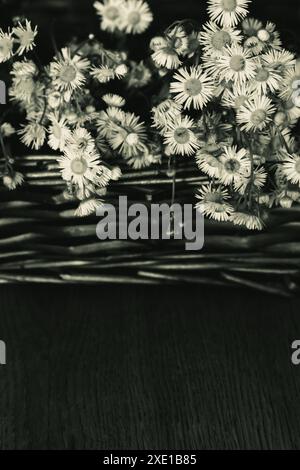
pixel 146 368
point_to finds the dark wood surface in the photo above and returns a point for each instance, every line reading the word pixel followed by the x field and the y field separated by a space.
pixel 147 368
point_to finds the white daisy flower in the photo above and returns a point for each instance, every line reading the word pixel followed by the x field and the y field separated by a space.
pixel 179 40
pixel 143 159
pixel 179 136
pixel 33 135
pixel 257 180
pixel 25 37
pixel 235 64
pixel 78 168
pixel 114 100
pixel 68 72
pixel 280 60
pixel 109 11
pixel 260 37
pixel 108 119
pixel 6 46
pixel 193 88
pixel 129 138
pixel 103 74
pixel 266 79
pixel 250 221
pixel 238 96
pixel 291 168
pixel 228 12
pixel 214 39
pixel 88 207
pixel 6 129
pixel 24 69
pixel 255 114
pixel 213 203
pixel 59 133
pixel 162 114
pixel 121 71
pixel 13 181
pixel 81 140
pixel 209 164
pixel 135 16
pixel 235 165
pixel 167 57
pixel 291 82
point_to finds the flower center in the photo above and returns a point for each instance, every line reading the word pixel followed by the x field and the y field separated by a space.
pixel 232 165
pixel 263 35
pixel 134 17
pixel 220 39
pixel 258 117
pixel 237 63
pixel 182 135
pixel 240 101
pixel 229 5
pixel 193 87
pixel 56 131
pixel 132 139
pixel 68 73
pixel 26 38
pixel 112 13
pixel 78 166
pixel 262 75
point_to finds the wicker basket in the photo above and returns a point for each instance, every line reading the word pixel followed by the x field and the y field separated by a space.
pixel 42 241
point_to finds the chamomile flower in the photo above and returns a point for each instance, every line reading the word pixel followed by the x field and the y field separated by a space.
pixel 78 168
pixel 251 26
pixel 130 137
pixel 235 165
pixel 109 11
pixel 81 140
pixel 266 79
pixel 88 206
pixel 255 114
pixel 235 64
pixel 179 136
pixel 280 60
pixel 166 56
pixel 193 88
pixel 108 119
pixel 12 181
pixel 291 82
pixel 179 39
pixel 113 100
pixel 291 168
pixel 238 96
pixel 68 73
pixel 214 39
pixel 166 111
pixel 103 74
pixel 6 129
pixel 24 69
pixel 214 203
pixel 59 133
pixel 33 135
pixel 143 159
pixel 259 37
pixel 228 12
pixel 135 16
pixel 209 164
pixel 25 37
pixel 248 220
pixel 257 180
pixel 6 46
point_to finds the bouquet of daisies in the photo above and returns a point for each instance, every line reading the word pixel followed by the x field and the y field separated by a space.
pixel 224 94
pixel 233 105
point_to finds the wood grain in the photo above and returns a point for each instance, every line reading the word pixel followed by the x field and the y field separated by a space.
pixel 147 368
